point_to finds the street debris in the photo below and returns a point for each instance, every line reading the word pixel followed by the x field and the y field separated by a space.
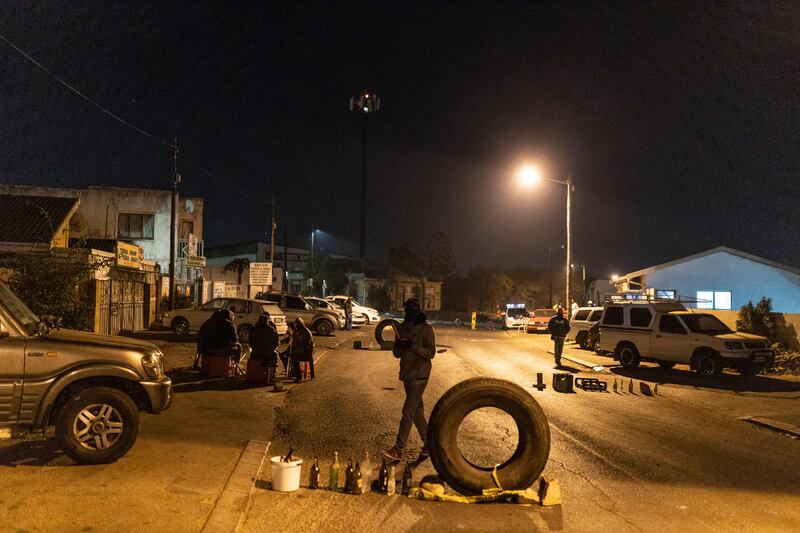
pixel 591 384
pixel 539 385
pixel 562 382
pixel 786 363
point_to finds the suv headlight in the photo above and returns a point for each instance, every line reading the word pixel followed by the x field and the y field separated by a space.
pixel 153 366
pixel 734 345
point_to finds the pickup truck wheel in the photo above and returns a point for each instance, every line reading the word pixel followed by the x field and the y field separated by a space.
pixel 180 326
pixel 533 447
pixel 708 365
pixel 628 355
pixel 582 339
pixel 666 364
pixel 323 327
pixel 244 333
pixel 97 425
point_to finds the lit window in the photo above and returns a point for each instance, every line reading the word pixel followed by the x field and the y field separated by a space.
pixel 714 300
pixel 665 294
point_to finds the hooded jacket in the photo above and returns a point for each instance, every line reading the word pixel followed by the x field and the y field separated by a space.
pixel 415 361
pixel 264 341
pixel 558 326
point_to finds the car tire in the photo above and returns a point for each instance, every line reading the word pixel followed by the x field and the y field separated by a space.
pixel 97 425
pixel 708 364
pixel 528 460
pixel 628 355
pixel 581 339
pixel 244 333
pixel 593 346
pixel 666 365
pixel 383 324
pixel 323 327
pixel 180 326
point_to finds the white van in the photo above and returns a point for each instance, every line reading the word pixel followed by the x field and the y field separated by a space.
pixel 583 319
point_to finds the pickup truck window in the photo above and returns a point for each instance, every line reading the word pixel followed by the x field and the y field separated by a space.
pixel 614 316
pixel 595 315
pixel 705 324
pixel 582 314
pixel 671 324
pixel 640 317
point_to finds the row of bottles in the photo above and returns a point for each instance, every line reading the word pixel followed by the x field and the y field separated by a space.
pixel 358 481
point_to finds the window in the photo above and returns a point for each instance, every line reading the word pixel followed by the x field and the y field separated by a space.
pixel 671 324
pixel 640 317
pixel 187 227
pixel 211 305
pixel 595 315
pixel 293 302
pixel 614 316
pixel 714 300
pixel 582 314
pixel 706 324
pixel 665 294
pixel 135 226
pixel 241 306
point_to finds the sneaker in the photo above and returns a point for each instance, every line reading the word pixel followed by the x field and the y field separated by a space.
pixel 424 453
pixel 393 454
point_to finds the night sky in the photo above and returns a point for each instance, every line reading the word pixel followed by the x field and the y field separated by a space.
pixel 678 121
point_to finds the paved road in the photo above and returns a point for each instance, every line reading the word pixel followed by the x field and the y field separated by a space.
pixel 678 461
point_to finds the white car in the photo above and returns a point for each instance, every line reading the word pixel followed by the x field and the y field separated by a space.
pixel 516 316
pixel 245 312
pixel 583 319
pixel 372 315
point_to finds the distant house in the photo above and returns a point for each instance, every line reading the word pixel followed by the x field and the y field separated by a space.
pixel 400 287
pixel 721 278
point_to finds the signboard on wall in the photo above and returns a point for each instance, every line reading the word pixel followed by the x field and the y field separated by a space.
pixel 261 274
pixel 218 289
pixel 192 245
pixel 128 255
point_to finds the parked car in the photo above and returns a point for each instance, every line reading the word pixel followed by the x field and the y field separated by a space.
pixel 516 316
pixel 539 319
pixel 245 312
pixel 91 387
pixel 667 333
pixel 321 321
pixel 579 324
pixel 358 318
pixel 372 315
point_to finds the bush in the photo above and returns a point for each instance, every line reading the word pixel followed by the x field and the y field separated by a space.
pixel 760 320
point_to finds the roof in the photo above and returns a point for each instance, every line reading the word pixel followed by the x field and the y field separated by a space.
pixel 33 219
pixel 712 251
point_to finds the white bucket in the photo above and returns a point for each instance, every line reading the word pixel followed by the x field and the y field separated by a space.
pixel 285 476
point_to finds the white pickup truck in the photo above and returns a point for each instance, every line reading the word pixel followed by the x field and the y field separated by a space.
pixel 668 333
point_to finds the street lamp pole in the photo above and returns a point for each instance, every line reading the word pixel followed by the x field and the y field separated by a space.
pixel 364 104
pixel 550 271
pixel 567 302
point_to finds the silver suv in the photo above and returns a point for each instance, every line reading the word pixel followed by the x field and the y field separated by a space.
pixel 90 387
pixel 322 321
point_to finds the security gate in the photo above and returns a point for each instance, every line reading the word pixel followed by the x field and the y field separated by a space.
pixel 122 305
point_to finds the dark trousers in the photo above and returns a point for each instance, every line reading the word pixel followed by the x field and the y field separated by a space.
pixel 413 413
pixel 558 348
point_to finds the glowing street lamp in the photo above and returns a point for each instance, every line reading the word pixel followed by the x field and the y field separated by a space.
pixel 530 175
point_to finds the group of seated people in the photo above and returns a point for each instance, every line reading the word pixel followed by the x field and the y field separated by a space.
pixel 218 338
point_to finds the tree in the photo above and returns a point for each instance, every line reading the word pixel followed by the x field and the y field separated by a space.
pixel 488 288
pixel 237 265
pixel 402 259
pixel 757 319
pixel 324 267
pixel 440 261
pixel 380 299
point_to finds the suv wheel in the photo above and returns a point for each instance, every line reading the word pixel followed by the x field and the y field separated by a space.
pixel 244 333
pixel 323 327
pixel 97 425
pixel 628 356
pixel 180 326
pixel 666 364
pixel 582 339
pixel 708 365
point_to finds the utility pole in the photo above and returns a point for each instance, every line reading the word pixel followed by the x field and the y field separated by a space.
pixel 365 104
pixel 272 226
pixel 550 271
pixel 173 223
pixel 285 287
pixel 567 303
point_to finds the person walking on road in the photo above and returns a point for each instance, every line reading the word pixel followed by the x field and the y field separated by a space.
pixel 558 328
pixel 348 314
pixel 415 347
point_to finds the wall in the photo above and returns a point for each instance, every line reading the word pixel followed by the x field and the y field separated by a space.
pixel 747 280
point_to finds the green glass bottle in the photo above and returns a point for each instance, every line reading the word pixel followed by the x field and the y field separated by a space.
pixel 333 475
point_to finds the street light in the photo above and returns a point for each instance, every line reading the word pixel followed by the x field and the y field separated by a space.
pixel 365 104
pixel 528 176
pixel 311 257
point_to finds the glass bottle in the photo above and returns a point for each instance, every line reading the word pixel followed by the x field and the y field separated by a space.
pixel 366 472
pixel 313 476
pixel 333 475
pixel 407 479
pixel 383 478
pixel 348 477
pixel 358 485
pixel 390 489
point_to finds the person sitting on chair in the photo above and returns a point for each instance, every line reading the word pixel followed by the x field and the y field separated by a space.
pixel 217 336
pixel 264 343
pixel 301 347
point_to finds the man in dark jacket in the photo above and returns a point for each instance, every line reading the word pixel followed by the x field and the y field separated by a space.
pixel 348 314
pixel 558 327
pixel 217 336
pixel 415 347
pixel 263 343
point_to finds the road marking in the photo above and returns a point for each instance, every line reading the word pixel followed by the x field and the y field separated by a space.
pixel 318 359
pixel 774 425
pixel 596 368
pixel 231 507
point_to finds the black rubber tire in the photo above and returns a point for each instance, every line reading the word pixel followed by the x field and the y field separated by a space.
pixel 323 327
pixel 383 324
pixel 708 364
pixel 628 355
pixel 244 333
pixel 66 421
pixel 666 365
pixel 528 460
pixel 180 326
pixel 593 346
pixel 581 340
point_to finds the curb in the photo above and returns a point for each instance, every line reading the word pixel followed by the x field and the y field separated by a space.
pixel 595 367
pixel 774 425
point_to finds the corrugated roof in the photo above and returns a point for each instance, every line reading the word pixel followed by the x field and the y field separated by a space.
pixel 32 219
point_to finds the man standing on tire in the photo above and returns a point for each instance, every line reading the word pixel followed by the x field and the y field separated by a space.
pixel 415 347
pixel 558 327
